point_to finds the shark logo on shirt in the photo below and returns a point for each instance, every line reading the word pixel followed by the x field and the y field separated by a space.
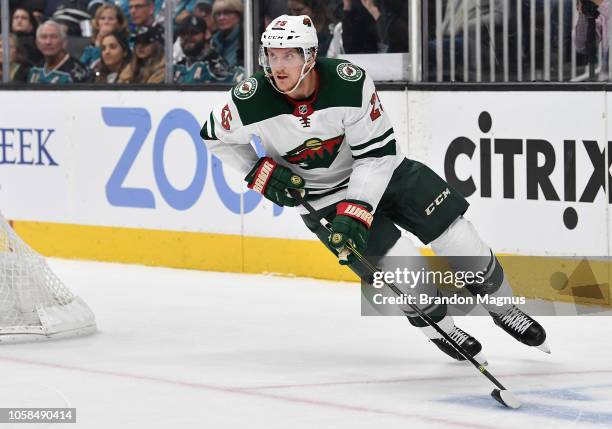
pixel 315 153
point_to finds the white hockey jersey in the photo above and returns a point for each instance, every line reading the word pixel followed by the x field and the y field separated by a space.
pixel 339 140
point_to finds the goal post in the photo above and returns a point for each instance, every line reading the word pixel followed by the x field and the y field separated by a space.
pixel 34 303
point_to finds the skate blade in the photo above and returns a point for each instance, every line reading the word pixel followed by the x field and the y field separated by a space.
pixel 481 359
pixel 544 347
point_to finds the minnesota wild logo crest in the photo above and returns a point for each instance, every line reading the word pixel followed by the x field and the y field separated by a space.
pixel 348 71
pixel 246 89
pixel 315 153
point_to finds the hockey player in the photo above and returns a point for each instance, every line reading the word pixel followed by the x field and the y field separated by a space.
pixel 326 133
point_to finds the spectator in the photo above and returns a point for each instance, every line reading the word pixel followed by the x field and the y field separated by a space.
pixel 124 5
pixel 58 66
pixel 108 18
pixel 360 32
pixel 23 24
pixel 49 9
pixel 336 49
pixel 394 22
pixel 203 9
pixel 73 14
pixel 147 64
pixel 116 55
pixel 34 8
pixel 317 10
pixel 141 13
pixel 94 5
pixel 201 63
pixel 273 8
pixel 19 67
pixel 182 9
pixel 228 38
pixel 597 10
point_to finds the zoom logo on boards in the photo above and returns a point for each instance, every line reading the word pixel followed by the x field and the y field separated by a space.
pixel 541 159
pixel 139 120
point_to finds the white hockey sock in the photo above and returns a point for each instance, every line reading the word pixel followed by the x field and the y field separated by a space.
pixel 404 255
pixel 462 239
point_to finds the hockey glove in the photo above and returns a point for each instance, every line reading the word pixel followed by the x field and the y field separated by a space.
pixel 351 225
pixel 272 180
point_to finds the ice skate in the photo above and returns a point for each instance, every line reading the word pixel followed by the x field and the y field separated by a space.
pixel 522 327
pixel 470 344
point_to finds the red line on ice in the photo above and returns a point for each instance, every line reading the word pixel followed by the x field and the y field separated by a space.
pixel 242 391
pixel 413 379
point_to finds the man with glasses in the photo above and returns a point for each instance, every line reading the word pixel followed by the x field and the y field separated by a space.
pixel 142 12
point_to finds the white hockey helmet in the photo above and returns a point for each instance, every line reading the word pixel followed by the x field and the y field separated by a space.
pixel 288 31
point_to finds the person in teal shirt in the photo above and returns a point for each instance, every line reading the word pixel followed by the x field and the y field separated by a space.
pixel 201 63
pixel 107 19
pixel 228 39
pixel 58 66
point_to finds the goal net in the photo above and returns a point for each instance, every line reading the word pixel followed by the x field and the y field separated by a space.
pixel 34 303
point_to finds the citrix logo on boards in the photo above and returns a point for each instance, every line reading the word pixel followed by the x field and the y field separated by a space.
pixel 541 158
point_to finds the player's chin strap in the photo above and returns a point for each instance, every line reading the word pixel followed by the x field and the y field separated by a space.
pixel 500 394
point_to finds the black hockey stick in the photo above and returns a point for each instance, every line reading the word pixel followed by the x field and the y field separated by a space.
pixel 500 393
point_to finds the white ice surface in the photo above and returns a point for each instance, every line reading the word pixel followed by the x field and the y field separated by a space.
pixel 189 349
